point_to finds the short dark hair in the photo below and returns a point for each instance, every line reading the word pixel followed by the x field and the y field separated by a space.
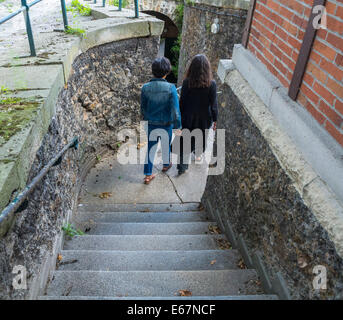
pixel 161 67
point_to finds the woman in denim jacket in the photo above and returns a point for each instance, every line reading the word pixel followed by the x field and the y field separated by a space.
pixel 160 108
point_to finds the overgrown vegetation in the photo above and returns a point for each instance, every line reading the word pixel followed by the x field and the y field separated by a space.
pixel 76 6
pixel 176 48
pixel 75 31
pixel 71 231
pixel 116 3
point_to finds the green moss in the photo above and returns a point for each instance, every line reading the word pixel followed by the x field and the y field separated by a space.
pixel 14 116
pixel 75 31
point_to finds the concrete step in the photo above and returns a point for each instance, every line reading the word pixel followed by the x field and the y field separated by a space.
pixel 146 207
pixel 111 217
pixel 153 283
pixel 210 298
pixel 144 242
pixel 150 228
pixel 149 260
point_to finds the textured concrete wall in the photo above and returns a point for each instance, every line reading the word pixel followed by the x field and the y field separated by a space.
pixel 100 98
pixel 197 36
pixel 260 200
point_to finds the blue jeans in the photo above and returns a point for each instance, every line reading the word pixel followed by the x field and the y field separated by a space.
pixel 165 135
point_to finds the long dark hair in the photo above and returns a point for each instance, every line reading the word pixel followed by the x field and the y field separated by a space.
pixel 199 73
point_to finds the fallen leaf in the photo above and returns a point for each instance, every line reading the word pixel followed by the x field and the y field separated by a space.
pixel 302 262
pixel 241 264
pixel 59 257
pixel 105 195
pixel 214 229
pixel 213 262
pixel 223 244
pixel 185 293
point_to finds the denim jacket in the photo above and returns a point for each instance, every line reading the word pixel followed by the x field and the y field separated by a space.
pixel 160 103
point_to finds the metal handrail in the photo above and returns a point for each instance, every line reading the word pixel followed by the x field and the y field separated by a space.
pixel 121 5
pixel 25 8
pixel 20 202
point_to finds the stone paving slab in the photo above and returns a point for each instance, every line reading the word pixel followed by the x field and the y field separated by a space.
pixel 152 283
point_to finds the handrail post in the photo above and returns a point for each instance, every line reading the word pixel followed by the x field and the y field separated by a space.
pixel 136 9
pixel 28 28
pixel 120 4
pixel 64 14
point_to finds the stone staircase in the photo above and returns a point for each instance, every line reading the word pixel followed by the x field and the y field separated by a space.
pixel 150 251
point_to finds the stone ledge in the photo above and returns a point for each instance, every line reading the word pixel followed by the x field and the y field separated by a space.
pixel 318 148
pixel 17 154
pixel 315 193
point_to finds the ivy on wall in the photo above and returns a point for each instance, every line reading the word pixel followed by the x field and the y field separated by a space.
pixel 176 48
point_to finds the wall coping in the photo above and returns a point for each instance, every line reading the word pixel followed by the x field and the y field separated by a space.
pixel 286 131
pixel 43 82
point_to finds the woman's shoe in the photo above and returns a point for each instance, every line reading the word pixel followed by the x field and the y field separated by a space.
pixel 165 169
pixel 148 179
pixel 180 172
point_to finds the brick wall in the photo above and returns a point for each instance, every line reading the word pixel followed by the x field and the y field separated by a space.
pixel 276 36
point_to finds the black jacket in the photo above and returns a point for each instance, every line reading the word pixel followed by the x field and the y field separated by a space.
pixel 198 106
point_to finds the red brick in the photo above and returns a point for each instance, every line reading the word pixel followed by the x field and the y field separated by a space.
pixel 322 34
pixel 316 72
pixel 332 69
pixel 292 4
pixel 289 62
pixel 308 79
pixel 335 87
pixel 309 93
pixel 339 106
pixel 323 93
pixel 334 132
pixel 292 29
pixel 334 24
pixel 339 12
pixel 339 59
pixel 315 57
pixel 315 113
pixel 323 49
pixel 330 7
pixel 331 113
pixel 336 41
pixel 294 42
pixel 300 22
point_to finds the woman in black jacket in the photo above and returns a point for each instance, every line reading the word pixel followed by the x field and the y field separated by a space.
pixel 198 106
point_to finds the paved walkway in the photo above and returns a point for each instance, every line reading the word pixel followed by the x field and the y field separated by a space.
pixel 111 182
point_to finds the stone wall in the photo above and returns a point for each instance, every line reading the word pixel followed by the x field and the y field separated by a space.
pixel 259 199
pixel 197 37
pixel 167 7
pixel 100 98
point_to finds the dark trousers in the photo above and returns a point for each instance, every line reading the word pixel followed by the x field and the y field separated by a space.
pixel 184 154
